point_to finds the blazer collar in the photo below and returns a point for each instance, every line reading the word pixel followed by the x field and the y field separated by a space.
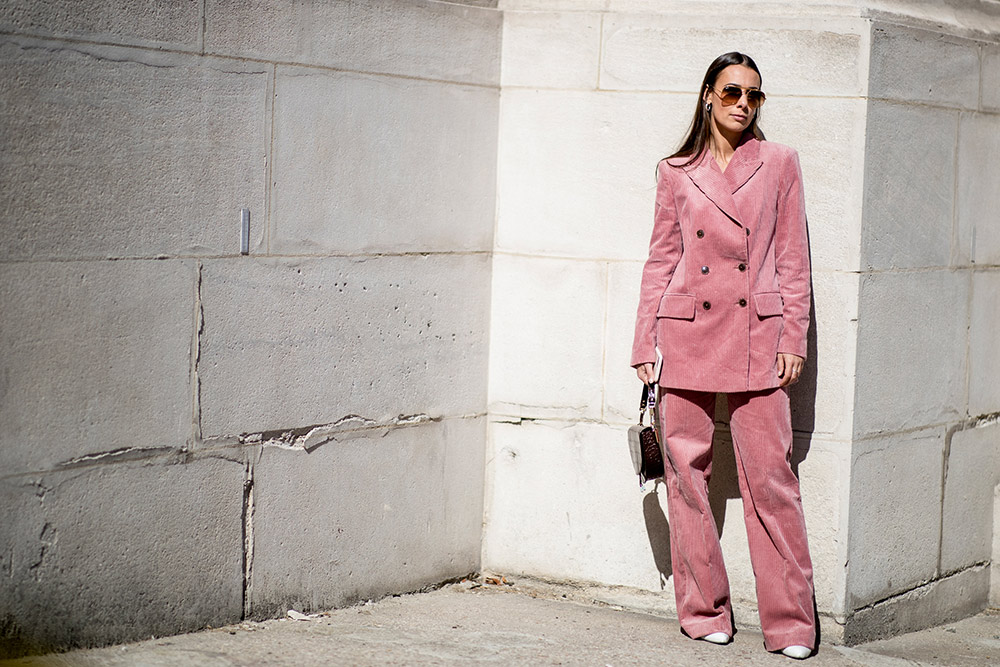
pixel 720 187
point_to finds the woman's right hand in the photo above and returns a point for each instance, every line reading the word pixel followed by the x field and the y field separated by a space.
pixel 645 372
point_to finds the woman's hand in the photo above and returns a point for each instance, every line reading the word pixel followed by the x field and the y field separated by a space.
pixel 645 372
pixel 789 368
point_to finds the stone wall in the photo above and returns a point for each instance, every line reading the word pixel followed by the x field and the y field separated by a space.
pixel 926 435
pixel 192 436
pixel 894 132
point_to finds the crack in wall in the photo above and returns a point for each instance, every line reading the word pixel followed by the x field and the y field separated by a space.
pixel 199 330
pixel 308 438
pixel 113 456
pixel 248 541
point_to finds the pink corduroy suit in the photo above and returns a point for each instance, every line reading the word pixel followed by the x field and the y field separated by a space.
pixel 726 288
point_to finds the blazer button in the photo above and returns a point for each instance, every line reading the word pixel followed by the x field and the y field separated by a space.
pixel 706 305
pixel 748 232
pixel 743 303
pixel 742 267
pixel 700 233
pixel 704 269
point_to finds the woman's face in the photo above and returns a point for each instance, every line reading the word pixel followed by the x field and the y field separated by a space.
pixel 736 118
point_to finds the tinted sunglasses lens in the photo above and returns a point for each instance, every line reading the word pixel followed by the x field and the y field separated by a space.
pixel 730 95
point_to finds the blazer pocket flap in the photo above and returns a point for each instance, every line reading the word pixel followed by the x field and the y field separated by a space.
pixel 767 304
pixel 677 306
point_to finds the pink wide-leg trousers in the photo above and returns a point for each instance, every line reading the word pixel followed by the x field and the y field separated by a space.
pixel 772 510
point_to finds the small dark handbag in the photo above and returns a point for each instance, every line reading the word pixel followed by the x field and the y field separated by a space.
pixel 643 442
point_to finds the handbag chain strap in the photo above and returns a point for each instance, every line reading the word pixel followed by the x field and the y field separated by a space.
pixel 648 403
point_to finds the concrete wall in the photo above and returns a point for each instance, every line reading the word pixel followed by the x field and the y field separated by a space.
pixel 593 94
pixel 191 436
pixel 927 401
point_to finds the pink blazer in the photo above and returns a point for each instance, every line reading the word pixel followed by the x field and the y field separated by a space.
pixel 726 285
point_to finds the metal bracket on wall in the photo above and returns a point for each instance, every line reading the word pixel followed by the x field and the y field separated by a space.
pixel 245 231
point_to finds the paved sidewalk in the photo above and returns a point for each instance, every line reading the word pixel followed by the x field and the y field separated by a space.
pixel 524 624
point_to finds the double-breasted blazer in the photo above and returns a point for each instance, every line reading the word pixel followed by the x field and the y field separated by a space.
pixel 726 285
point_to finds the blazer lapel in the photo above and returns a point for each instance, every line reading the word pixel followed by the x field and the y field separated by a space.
pixel 719 186
pixel 745 163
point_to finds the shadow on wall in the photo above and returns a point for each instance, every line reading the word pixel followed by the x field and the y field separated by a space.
pixel 723 483
pixel 658 532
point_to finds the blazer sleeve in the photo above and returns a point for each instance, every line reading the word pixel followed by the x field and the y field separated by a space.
pixel 664 254
pixel 791 239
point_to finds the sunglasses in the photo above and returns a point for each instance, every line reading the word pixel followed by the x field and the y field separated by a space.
pixel 732 93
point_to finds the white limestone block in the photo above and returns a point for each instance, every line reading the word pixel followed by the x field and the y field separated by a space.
pixel 96 358
pixel 912 65
pixel 830 160
pixel 117 553
pixel 114 152
pixel 414 38
pixel 365 163
pixel 389 511
pixel 823 399
pixel 934 603
pixel 912 336
pixel 984 354
pixel 565 504
pixel 174 24
pixel 534 5
pixel 909 186
pixel 672 52
pixel 971 476
pixel 990 79
pixel 978 224
pixel 577 170
pixel 551 49
pixel 547 326
pixel 823 467
pixel 621 385
pixel 293 343
pixel 895 516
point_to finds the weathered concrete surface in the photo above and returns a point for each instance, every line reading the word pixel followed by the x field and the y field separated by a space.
pixel 984 353
pixel 577 170
pixel 96 358
pixel 296 343
pixel 174 24
pixel 967 523
pixel 419 38
pixel 640 52
pixel 912 332
pixel 522 624
pixel 111 152
pixel 114 553
pixel 546 337
pixel 895 518
pixel 978 232
pixel 909 187
pixel 379 164
pixel 559 50
pixel 943 600
pixel 377 511
pixel 953 80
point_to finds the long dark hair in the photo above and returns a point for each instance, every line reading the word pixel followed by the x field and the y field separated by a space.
pixel 700 129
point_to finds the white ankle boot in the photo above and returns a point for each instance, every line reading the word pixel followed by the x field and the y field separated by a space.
pixel 717 638
pixel 797 652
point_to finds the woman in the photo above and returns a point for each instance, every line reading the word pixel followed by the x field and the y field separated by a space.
pixel 725 299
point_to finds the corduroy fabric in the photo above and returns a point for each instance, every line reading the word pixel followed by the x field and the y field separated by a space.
pixel 726 284
pixel 772 511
